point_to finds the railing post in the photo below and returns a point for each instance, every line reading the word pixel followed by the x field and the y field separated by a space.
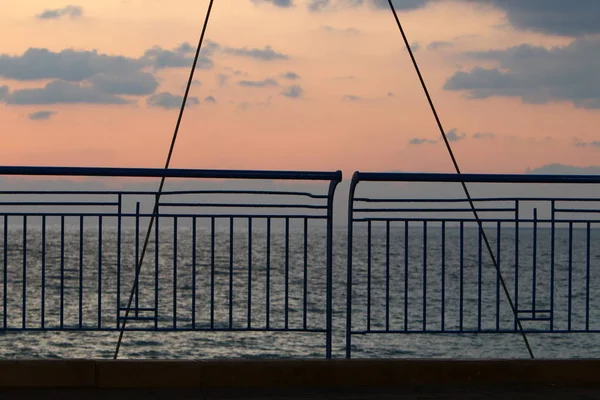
pixel 137 258
pixel 329 324
pixel 119 234
pixel 534 266
pixel 352 191
pixel 552 250
pixel 516 317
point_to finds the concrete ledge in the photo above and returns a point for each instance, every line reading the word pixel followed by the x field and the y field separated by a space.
pixel 47 373
pixel 239 374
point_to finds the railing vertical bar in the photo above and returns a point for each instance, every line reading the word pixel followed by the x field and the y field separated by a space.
pixel 498 252
pixel 231 226
pixel 534 261
pixel 305 294
pixel 552 256
pixel 570 284
pixel 329 274
pixel 81 272
pixel 5 281
pixel 387 275
pixel 443 283
pixel 424 275
pixel 119 234
pixel 287 271
pixel 137 259
pixel 62 271
pixel 249 272
pixel 268 279
pixel 479 275
pixel 369 271
pixel 194 240
pixel 587 276
pixel 175 272
pixel 99 272
pixel 156 266
pixel 349 267
pixel 406 275
pixel 461 283
pixel 516 314
pixel 212 272
pixel 24 316
pixel 43 300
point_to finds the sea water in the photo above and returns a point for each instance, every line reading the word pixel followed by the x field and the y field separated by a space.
pixel 408 276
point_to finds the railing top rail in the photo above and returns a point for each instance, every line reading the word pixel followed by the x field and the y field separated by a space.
pixel 170 173
pixel 474 199
pixel 164 193
pixel 473 178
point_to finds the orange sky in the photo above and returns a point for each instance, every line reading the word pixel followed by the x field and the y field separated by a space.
pixel 318 131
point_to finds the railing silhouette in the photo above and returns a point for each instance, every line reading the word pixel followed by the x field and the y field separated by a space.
pixel 227 258
pixel 419 265
pixel 217 260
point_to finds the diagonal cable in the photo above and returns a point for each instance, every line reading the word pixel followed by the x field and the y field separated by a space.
pixel 464 185
pixel 162 180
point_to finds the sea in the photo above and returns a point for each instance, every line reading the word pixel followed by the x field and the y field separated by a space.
pixel 426 292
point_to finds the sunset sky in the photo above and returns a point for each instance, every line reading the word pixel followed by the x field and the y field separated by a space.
pixel 301 84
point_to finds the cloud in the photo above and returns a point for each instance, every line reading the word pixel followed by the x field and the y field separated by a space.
pixel 562 169
pixel 418 141
pixel 484 135
pixel 246 105
pixel 399 5
pixel 535 74
pixel 318 5
pixel 290 75
pixel 210 99
pixel 41 115
pixel 453 136
pixel 135 83
pixel 555 17
pixel 260 84
pixel 181 56
pixel 578 143
pixel 439 44
pixel 4 91
pixel 415 46
pixel 67 65
pixel 276 3
pixel 222 79
pixel 61 92
pixel 351 97
pixel 169 101
pixel 265 54
pixel 331 29
pixel 57 13
pixel 294 91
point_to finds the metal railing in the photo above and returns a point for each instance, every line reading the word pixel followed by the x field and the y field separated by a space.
pixel 218 260
pixel 417 264
pixel 227 258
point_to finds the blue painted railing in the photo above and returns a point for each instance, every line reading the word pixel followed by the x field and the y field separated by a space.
pixel 419 264
pixel 218 260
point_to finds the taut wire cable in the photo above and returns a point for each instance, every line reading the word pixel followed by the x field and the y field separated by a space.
pixel 162 180
pixel 464 185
